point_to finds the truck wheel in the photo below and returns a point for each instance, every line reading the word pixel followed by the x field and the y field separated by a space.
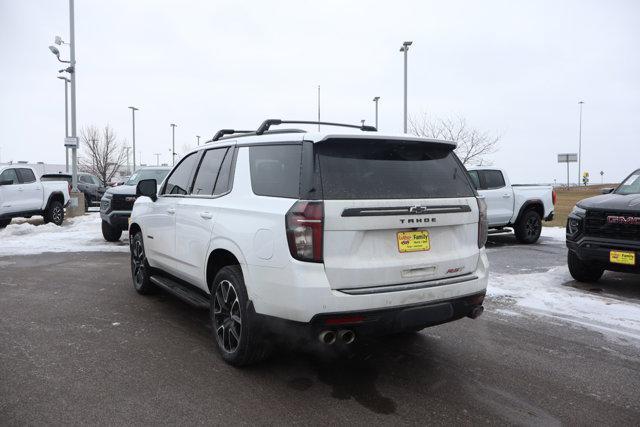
pixel 87 203
pixel 110 234
pixel 140 270
pixel 581 271
pixel 54 213
pixel 4 222
pixel 528 229
pixel 236 332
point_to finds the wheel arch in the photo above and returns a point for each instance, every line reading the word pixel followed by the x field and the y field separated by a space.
pixel 533 204
pixel 55 196
pixel 221 254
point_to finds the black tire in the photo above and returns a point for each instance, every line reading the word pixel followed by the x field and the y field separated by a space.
pixel 581 271
pixel 110 234
pixel 87 203
pixel 5 222
pixel 140 270
pixel 235 330
pixel 529 227
pixel 54 213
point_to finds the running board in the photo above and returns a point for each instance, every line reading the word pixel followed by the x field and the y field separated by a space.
pixel 185 293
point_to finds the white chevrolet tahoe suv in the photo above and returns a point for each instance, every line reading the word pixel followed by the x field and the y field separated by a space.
pixel 315 235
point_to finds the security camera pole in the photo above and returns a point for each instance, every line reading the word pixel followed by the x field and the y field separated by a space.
pixel 72 75
pixel 405 49
pixel 66 118
pixel 133 124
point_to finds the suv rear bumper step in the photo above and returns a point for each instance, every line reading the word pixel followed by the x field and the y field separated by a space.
pixel 184 292
pixel 409 286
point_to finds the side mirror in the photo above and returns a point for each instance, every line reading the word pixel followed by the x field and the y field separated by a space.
pixel 6 182
pixel 148 188
pixel 607 190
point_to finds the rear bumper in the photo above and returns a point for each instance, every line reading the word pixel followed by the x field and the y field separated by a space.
pixel 549 217
pixel 302 293
pixel 379 322
pixel 596 251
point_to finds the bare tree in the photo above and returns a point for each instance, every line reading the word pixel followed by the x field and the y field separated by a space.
pixel 102 155
pixel 473 145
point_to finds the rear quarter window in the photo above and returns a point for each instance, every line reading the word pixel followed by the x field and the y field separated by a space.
pixel 390 169
pixel 275 170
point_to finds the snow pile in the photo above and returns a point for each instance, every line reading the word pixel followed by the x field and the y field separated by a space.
pixel 80 234
pixel 555 233
pixel 550 294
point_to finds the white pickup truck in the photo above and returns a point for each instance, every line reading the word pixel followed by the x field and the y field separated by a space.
pixel 23 195
pixel 521 207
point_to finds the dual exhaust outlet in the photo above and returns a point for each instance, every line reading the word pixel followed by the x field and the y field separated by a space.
pixel 347 336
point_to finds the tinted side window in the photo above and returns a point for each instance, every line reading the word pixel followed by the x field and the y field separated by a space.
pixel 223 184
pixel 275 170
pixel 492 179
pixel 208 172
pixel 84 179
pixel 26 176
pixel 9 175
pixel 180 179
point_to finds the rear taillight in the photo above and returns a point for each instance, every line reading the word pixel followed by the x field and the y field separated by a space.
pixel 554 197
pixel 483 224
pixel 304 223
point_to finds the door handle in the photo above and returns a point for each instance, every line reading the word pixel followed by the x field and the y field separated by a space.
pixel 206 215
pixel 506 196
pixel 20 189
pixel 171 211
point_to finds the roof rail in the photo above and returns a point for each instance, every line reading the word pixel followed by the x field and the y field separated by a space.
pixel 273 122
pixel 223 132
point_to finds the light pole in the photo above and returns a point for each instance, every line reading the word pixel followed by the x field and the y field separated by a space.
pixel 173 144
pixel 133 124
pixel 405 49
pixel 376 99
pixel 66 119
pixel 157 158
pixel 198 136
pixel 580 145
pixel 72 74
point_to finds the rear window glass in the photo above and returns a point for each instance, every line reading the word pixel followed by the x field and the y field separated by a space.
pixel 275 170
pixel 387 169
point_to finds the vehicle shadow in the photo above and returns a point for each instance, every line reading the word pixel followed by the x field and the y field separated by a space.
pixel 612 283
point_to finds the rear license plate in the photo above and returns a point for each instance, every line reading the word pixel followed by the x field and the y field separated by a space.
pixel 413 241
pixel 622 257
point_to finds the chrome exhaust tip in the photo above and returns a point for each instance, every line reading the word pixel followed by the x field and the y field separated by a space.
pixel 327 337
pixel 476 312
pixel 347 336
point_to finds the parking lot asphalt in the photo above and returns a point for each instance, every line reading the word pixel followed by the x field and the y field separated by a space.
pixel 79 346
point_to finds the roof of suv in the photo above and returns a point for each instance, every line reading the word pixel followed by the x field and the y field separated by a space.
pixel 314 137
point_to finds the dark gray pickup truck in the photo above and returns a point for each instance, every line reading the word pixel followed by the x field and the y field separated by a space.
pixel 603 232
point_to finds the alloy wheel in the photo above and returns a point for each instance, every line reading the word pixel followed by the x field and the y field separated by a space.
pixel 57 215
pixel 532 226
pixel 227 316
pixel 138 263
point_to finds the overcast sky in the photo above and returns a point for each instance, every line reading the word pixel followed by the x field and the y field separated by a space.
pixel 513 68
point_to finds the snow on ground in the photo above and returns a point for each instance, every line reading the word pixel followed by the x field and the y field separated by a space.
pixel 555 233
pixel 550 294
pixel 79 234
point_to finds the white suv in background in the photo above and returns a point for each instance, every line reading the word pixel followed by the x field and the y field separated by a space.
pixel 317 235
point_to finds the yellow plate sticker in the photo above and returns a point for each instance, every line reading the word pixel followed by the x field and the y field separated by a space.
pixel 413 241
pixel 622 257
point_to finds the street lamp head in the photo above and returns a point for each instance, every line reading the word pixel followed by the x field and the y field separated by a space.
pixel 580 102
pixel 59 40
pixel 55 51
pixel 134 108
pixel 407 44
pixel 376 99
pixel 173 125
pixel 64 78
